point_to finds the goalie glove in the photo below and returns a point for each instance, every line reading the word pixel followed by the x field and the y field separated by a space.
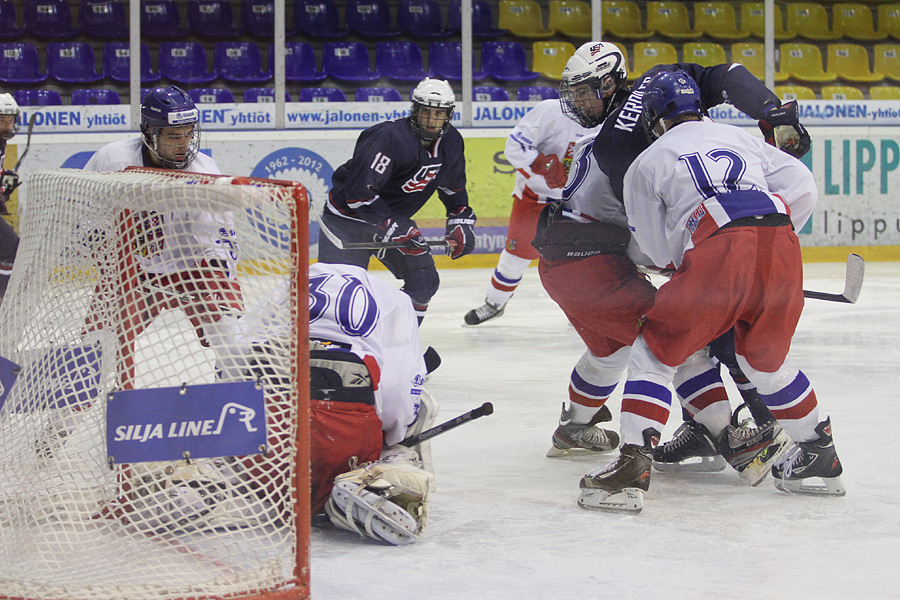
pixel 405 232
pixel 384 501
pixel 781 128
pixel 552 169
pixel 461 229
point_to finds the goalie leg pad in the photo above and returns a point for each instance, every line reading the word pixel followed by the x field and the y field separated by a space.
pixel 384 501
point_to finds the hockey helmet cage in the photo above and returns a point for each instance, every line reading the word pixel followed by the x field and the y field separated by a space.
pixel 591 81
pixel 169 107
pixel 669 94
pixel 9 106
pixel 432 93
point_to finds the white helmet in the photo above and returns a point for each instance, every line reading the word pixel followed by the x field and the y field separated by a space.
pixel 9 106
pixel 596 72
pixel 434 93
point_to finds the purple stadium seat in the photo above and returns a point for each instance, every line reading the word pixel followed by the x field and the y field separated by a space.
pixel 322 95
pixel 19 63
pixel 239 62
pixel 184 62
pixel 71 62
pixel 422 19
pixel 299 62
pixel 488 93
pixel 378 94
pixel 445 61
pixel 532 93
pixel 263 95
pixel 37 98
pixel 347 61
pixel 9 22
pixel 371 19
pixel 49 19
pixel 95 96
pixel 161 19
pixel 400 61
pixel 212 19
pixel 506 61
pixel 319 19
pixel 258 19
pixel 117 63
pixel 482 19
pixel 104 19
pixel 211 95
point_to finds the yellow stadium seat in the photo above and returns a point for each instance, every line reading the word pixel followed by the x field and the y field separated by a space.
pixel 810 21
pixel 549 58
pixel 670 19
pixel 803 62
pixel 753 56
pixel 851 62
pixel 855 22
pixel 841 92
pixel 794 92
pixel 753 21
pixel 650 54
pixel 884 92
pixel 705 54
pixel 887 60
pixel 523 18
pixel 622 19
pixel 571 18
pixel 889 20
pixel 718 21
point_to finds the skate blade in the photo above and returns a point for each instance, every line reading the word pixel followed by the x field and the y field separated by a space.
pixel 628 501
pixel 761 465
pixel 828 486
pixel 705 464
pixel 555 452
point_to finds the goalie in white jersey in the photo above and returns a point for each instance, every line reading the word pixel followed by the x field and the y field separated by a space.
pixel 721 206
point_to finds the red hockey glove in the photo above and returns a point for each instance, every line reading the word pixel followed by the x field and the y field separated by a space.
pixel 552 169
pixel 460 229
pixel 781 127
pixel 406 232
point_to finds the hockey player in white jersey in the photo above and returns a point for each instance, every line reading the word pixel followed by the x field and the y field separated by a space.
pixel 540 148
pixel 367 371
pixel 720 206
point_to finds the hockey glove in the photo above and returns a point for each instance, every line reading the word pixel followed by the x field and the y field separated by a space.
pixel 781 127
pixel 552 169
pixel 405 232
pixel 9 180
pixel 460 229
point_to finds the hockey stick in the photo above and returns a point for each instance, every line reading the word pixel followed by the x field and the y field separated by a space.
pixel 27 141
pixel 185 298
pixel 485 409
pixel 853 280
pixel 373 245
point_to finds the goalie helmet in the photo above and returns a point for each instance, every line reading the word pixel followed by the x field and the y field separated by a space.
pixel 9 106
pixel 171 108
pixel 431 93
pixel 591 83
pixel 669 94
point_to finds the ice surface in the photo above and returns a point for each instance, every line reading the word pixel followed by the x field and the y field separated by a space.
pixel 504 519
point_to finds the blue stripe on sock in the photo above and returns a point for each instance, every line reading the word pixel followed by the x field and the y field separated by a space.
pixel 788 393
pixel 507 280
pixel 693 385
pixel 589 389
pixel 648 389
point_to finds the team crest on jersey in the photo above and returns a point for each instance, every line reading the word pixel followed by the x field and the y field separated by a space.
pixel 422 178
pixel 694 220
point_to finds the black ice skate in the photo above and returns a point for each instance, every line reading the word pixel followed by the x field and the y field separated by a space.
pixel 485 312
pixel 691 449
pixel 752 450
pixel 806 462
pixel 620 485
pixel 580 439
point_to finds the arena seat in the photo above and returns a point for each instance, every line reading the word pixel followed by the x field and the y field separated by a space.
pixel 378 94
pixel 117 63
pixel 889 20
pixel 622 19
pixel 445 61
pixel 37 98
pixel 884 92
pixel 803 62
pixel 810 21
pixel 348 61
pixel 320 94
pixel 571 18
pixel 753 56
pixel 49 19
pixel 850 62
pixel 855 21
pixel 19 63
pixel 650 54
pixel 299 62
pixel 9 21
pixel 705 54
pixel 489 93
pixel 550 58
pixel 794 92
pixel 841 92
pixel 506 61
pixel 161 19
pixel 319 19
pixel 887 60
pixel 239 62
pixel 103 19
pixel 753 21
pixel 718 21
pixel 212 19
pixel 184 62
pixel 421 19
pixel 400 61
pixel 371 19
pixel 536 92
pixel 258 19
pixel 671 20
pixel 211 95
pixel 263 95
pixel 95 96
pixel 482 19
pixel 72 62
pixel 523 19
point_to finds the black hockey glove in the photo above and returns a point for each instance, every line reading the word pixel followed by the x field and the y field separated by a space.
pixel 781 127
pixel 460 229
pixel 9 180
pixel 406 232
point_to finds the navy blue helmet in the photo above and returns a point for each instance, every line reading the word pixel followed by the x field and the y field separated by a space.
pixel 668 95
pixel 170 107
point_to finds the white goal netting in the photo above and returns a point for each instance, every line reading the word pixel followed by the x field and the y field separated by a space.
pixel 178 297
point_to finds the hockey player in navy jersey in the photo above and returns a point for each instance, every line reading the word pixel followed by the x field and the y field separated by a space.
pixel 9 181
pixel 395 168
pixel 721 207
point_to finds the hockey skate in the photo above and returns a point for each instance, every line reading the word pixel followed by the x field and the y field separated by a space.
pixel 485 312
pixel 574 439
pixel 752 450
pixel 620 485
pixel 807 461
pixel 692 449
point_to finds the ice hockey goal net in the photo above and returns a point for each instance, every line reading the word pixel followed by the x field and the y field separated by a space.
pixel 153 390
